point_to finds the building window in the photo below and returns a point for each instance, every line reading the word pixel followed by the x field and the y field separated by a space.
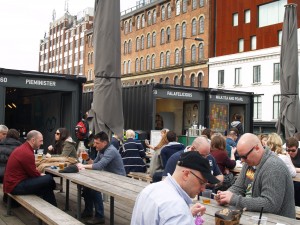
pixel 220 78
pixel 193 52
pixel 194 27
pixel 177 32
pixel 184 6
pixel 129 46
pixel 247 16
pixel 237 76
pixel 137 44
pixel 138 22
pixel 162 36
pixel 177 7
pixel 142 64
pixel 148 41
pixel 149 18
pixel 137 65
pixel 176 80
pixel 143 20
pixel 153 62
pixel 152 81
pixel 161 59
pixel 193 80
pixel 201 3
pixel 271 13
pixel 163 13
pixel 129 66
pixel 194 4
pixel 153 39
pixel 168 56
pixel 161 80
pixel 253 43
pixel 257 107
pixel 256 74
pixel 142 42
pixel 130 25
pixel 241 45
pixel 201 25
pixel 276 106
pixel 169 11
pixel 124 67
pixel 167 80
pixel 148 63
pixel 200 78
pixel 126 27
pixel 235 19
pixel 176 56
pixel 183 29
pixel 276 72
pixel 168 34
pixel 201 51
pixel 279 37
pixel 141 82
pixel 154 16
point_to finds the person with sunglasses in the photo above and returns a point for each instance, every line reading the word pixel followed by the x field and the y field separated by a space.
pixel 264 181
pixel 169 201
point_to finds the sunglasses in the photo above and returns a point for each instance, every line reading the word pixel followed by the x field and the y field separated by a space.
pixel 244 157
pixel 200 180
pixel 291 150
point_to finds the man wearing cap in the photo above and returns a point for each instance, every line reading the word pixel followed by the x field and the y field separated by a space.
pixel 264 181
pixel 202 145
pixel 167 201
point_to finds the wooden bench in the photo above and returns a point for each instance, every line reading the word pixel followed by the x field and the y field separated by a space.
pixel 43 210
pixel 140 176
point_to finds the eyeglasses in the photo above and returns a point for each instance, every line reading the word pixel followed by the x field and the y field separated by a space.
pixel 246 156
pixel 200 180
pixel 291 150
pixel 57 133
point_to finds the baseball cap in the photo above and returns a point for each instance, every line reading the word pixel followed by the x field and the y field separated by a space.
pixel 193 160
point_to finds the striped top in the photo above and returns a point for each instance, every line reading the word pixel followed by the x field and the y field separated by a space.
pixel 132 153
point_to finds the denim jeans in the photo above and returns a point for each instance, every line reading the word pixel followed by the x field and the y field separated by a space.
pixel 93 198
pixel 42 186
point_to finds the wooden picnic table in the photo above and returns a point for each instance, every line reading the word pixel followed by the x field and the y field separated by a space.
pixel 237 170
pixel 116 186
pixel 213 207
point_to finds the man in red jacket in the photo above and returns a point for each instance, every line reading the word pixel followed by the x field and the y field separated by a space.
pixel 21 176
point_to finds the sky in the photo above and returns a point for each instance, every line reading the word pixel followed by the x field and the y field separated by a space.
pixel 23 24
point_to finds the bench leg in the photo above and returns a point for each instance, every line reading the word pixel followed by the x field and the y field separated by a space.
pixel 112 209
pixel 9 200
pixel 78 201
pixel 62 185
pixel 67 195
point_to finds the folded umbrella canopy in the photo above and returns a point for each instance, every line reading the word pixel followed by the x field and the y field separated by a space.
pixel 107 98
pixel 288 122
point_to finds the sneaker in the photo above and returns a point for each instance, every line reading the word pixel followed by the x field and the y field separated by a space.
pixel 96 220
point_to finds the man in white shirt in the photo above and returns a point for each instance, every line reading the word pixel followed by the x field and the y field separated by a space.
pixel 168 201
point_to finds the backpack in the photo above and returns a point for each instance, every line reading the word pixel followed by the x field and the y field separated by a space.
pixel 82 130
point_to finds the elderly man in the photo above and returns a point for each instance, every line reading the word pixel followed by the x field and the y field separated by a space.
pixel 264 181
pixel 107 159
pixel 168 201
pixel 3 132
pixel 202 145
pixel 21 176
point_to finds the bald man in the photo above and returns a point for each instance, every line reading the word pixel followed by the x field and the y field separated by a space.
pixel 202 145
pixel 264 181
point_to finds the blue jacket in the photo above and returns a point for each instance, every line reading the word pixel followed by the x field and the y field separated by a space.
pixel 169 150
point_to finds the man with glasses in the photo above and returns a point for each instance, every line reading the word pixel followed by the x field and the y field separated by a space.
pixel 264 181
pixel 292 148
pixel 168 201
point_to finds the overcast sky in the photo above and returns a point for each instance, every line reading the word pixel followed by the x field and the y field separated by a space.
pixel 23 24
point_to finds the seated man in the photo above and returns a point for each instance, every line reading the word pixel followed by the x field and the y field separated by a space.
pixel 202 145
pixel 264 181
pixel 107 159
pixel 168 201
pixel 21 176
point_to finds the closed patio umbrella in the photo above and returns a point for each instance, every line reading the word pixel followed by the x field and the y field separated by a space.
pixel 107 98
pixel 288 121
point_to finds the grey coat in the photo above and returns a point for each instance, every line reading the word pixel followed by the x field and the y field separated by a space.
pixel 272 188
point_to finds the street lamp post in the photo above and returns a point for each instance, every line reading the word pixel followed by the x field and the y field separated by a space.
pixel 183 56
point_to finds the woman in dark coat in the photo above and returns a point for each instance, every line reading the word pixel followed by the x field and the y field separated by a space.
pixel 7 145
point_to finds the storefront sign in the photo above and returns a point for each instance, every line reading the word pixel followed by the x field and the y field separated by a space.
pixel 178 94
pixel 230 98
pixel 41 82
